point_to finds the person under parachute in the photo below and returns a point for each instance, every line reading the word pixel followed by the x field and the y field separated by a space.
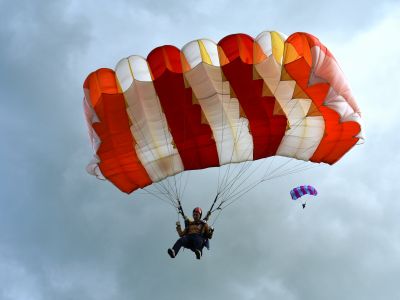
pixel 153 118
pixel 195 236
pixel 300 191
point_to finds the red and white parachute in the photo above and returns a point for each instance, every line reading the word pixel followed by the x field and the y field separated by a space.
pixel 211 104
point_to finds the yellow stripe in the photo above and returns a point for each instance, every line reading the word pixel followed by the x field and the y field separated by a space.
pixel 278 46
pixel 205 57
pixel 290 54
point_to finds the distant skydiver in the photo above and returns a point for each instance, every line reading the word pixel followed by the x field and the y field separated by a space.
pixel 302 190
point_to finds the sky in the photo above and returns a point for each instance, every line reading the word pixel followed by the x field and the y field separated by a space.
pixel 66 235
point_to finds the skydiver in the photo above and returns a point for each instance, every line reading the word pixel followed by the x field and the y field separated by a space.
pixel 195 235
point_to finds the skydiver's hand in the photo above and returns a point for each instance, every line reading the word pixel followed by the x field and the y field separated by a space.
pixel 210 232
pixel 178 224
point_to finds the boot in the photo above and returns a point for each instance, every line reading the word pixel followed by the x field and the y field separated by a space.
pixel 171 252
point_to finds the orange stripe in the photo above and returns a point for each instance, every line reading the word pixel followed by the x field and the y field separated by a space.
pixel 119 162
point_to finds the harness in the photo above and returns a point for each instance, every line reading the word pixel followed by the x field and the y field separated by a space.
pixel 203 223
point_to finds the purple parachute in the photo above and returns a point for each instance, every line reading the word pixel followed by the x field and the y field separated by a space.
pixel 303 190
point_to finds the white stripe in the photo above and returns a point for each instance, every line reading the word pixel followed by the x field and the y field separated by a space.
pixel 265 42
pixel 154 142
pixel 231 132
pixel 193 55
pixel 305 133
pixel 91 117
pixel 339 97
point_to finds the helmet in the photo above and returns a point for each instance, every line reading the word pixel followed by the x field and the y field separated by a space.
pixel 198 210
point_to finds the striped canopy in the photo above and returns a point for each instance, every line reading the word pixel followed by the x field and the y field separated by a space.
pixel 211 104
pixel 302 190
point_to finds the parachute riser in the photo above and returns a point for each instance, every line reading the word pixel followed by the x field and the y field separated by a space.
pixel 211 208
pixel 180 209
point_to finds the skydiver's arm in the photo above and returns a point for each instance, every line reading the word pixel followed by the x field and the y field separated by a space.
pixel 208 231
pixel 179 230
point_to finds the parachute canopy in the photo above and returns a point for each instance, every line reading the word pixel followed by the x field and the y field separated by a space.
pixel 210 104
pixel 302 190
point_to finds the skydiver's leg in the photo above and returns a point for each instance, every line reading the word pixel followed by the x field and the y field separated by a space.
pixel 197 245
pixel 198 242
pixel 183 241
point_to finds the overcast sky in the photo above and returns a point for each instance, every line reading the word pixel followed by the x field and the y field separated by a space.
pixel 66 235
